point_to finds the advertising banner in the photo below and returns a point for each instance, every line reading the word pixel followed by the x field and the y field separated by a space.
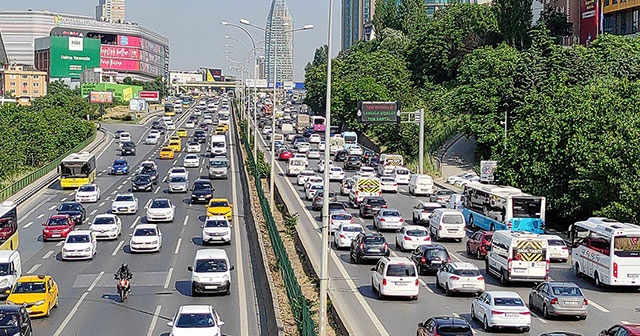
pixel 107 51
pixel 119 64
pixel 589 20
pixel 149 95
pixel 214 75
pixel 149 69
pixel 152 47
pixel 72 55
pixel 105 97
pixel 137 105
pixel 129 41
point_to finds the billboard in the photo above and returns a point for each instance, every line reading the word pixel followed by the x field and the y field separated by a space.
pixel 590 12
pixel 109 51
pixel 370 112
pixel 149 95
pixel 214 75
pixel 129 41
pixel 72 55
pixel 119 64
pixel 105 97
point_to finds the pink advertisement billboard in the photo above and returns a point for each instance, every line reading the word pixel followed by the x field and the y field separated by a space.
pixel 119 64
pixel 108 51
pixel 129 41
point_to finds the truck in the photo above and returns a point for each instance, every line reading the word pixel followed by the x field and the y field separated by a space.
pixel 388 162
pixel 363 187
pixel 218 144
pixel 336 144
pixel 287 129
pixel 302 121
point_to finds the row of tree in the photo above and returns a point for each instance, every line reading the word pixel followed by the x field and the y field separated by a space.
pixel 572 116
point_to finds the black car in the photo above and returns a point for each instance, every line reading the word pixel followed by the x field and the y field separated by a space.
pixel 367 154
pixel 117 133
pixel 373 161
pixel 201 191
pixel 308 131
pixel 128 148
pixel 371 205
pixel 75 210
pixel 367 246
pixel 15 320
pixel 142 182
pixel 429 258
pixel 318 199
pixel 341 155
pixel 352 163
pixel 200 136
pixel 444 325
pixel 152 172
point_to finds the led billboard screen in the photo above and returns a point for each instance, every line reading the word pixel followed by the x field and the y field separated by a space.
pixel 119 64
pixel 107 51
pixel 72 55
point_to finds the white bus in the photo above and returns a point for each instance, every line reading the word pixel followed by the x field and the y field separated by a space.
pixel 607 251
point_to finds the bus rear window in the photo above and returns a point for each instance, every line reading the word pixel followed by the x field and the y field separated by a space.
pixel 625 246
pixel 526 207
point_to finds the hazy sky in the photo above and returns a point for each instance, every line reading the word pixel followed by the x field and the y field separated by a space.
pixel 194 29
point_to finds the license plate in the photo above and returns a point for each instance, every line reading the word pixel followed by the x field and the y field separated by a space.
pixel 571 303
pixel 217 238
pixel 511 315
pixel 633 275
pixel 122 209
pixel 401 283
pixel 56 236
pixel 201 198
pixel 467 286
pixel 519 270
pixel 436 262
pixel 210 287
pixel 373 250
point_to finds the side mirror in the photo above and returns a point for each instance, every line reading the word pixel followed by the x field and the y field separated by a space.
pixel 487 248
pixel 221 323
pixel 604 332
pixel 131 235
pixel 170 324
pixel 8 291
pixel 373 268
pixel 189 268
pixel 231 268
pixel 420 325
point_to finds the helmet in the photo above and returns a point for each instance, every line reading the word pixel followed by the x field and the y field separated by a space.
pixel 124 265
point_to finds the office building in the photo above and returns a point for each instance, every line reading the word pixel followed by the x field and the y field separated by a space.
pixel 23 83
pixel 620 17
pixel 262 67
pixel 3 53
pixel 279 43
pixel 111 11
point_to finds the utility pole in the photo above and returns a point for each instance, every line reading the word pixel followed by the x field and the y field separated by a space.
pixel 421 144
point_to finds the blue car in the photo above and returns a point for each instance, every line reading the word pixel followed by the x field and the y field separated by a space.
pixel 120 166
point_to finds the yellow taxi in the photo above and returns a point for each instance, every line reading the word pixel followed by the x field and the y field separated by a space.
pixel 166 153
pixel 176 145
pixel 225 126
pixel 38 293
pixel 220 207
pixel 170 113
pixel 181 132
pixel 219 131
pixel 174 137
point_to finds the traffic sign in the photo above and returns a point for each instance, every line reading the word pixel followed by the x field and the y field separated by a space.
pixel 487 170
pixel 370 112
pixel 149 95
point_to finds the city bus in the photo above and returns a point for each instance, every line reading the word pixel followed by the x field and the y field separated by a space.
pixel 8 226
pixel 77 169
pixel 318 123
pixel 607 251
pixel 350 139
pixel 494 207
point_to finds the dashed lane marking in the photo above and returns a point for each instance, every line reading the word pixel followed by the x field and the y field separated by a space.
pixel 40 216
pixel 157 189
pixel 27 225
pixel 115 251
pixel 178 246
pixel 70 315
pixel 47 255
pixel 186 219
pixel 52 207
pixel 64 199
pixel 93 212
pixel 60 243
pixel 34 268
pixel 168 281
pixel 154 320
pixel 599 307
pixel 101 204
pixel 95 282
pixel 119 187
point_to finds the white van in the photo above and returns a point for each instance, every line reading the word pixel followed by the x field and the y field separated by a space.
pixel 295 166
pixel 402 175
pixel 395 276
pixel 11 266
pixel 448 224
pixel 218 144
pixel 518 256
pixel 211 272
pixel 421 184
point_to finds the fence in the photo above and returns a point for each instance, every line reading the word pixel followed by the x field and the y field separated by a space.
pixel 299 305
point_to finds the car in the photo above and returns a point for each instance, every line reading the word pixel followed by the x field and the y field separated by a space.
pixel 302 177
pixel 297 141
pixel 176 145
pixel 422 211
pixel 627 329
pixel 196 320
pixel 193 147
pixel 352 163
pixel 175 171
pixel 118 132
pixel 147 165
pixel 220 207
pixel 339 218
pixel 189 124
pixel 346 186
pixel 57 227
pixel 452 179
pixel 429 258
pixel 311 191
pixel 557 298
pixel 204 127
pixel 321 165
pixel 444 325
pixel 388 219
pixel 200 136
pixel 315 138
pixel 466 180
pixel 479 244
pixel 367 246
pixel 142 182
pixel 37 293
pixel 557 249
pixel 388 184
pixel 151 139
pixel 210 272
pixel 216 229
pixel 266 130
pixel 178 183
pixel 124 136
pixel 402 175
pixel 127 148
pixel 318 200
pixel 395 276
pixel 460 277
pixel 312 180
pixel 166 153
pixel 441 196
pixel 75 210
pixel 303 147
pixel 373 161
pixel 124 204
pixel 355 150
pixel 157 125
pixel 220 130
pixel 120 166
pixel 201 191
pixel 371 205
pixel 312 153
pixel 341 155
pixel 302 157
pixel 409 237
pixel 337 207
pixel 79 244
pixel 501 309
pixel 345 233
pixel 367 172
pixel 145 238
pixel 87 193
pixel 107 226
pixel 170 125
pixel 321 146
pixel 336 174
pixel 148 170
pixel 285 155
pixel 160 209
pixel 191 161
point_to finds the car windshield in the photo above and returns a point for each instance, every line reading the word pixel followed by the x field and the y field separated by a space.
pixel 416 233
pixel 376 201
pixel 218 163
pixel 145 232
pixel 57 221
pixel 211 265
pixel 30 287
pixel 374 240
pixel 566 291
pixel 141 178
pixel 178 179
pixel 467 272
pixel 120 163
pixel 157 204
pixel 401 270
pixel 72 239
pixel 508 302
pixel 390 214
pixel 388 180
pixel 556 242
pixel 202 186
pixel 452 219
pixel 341 217
pixel 104 220
pixel 402 172
pixel 437 254
pixel 69 207
pixel 353 228
pixel 203 320
pixel 219 204
pixel 125 198
pixel 213 223
pixel 148 171
pixel 191 157
pixel 455 330
pixel 87 188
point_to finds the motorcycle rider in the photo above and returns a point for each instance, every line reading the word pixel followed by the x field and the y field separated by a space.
pixel 124 273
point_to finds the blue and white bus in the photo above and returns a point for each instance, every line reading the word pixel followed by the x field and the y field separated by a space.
pixel 494 207
pixel 350 139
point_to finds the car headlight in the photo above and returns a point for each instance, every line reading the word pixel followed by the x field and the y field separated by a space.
pixel 226 278
pixel 10 302
pixel 114 229
pixel 154 242
pixel 4 283
pixel 40 302
pixel 87 249
pixel 196 278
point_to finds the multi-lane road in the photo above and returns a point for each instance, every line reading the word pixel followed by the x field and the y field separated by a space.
pixel 89 303
pixel 364 314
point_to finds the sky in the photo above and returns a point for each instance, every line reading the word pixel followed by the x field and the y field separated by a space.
pixel 194 30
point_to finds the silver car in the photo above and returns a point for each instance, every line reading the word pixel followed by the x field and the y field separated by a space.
pixel 388 219
pixel 178 183
pixel 554 298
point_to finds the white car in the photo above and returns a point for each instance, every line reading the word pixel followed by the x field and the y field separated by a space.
pixel 301 156
pixel 460 277
pixel 501 309
pixel 208 119
pixel 355 150
pixel 321 146
pixel 402 175
pixel 367 172
pixel 336 174
pixel 464 182
pixel 194 147
pixel 145 238
pixel 312 190
pixel 388 219
pixel 303 176
pixel 411 236
pixel 303 147
pixel 453 178
pixel 88 193
pixel 395 276
pixel 190 124
pixel 345 233
pixel 191 160
pixel 151 164
pixel 339 218
pixel 216 229
pixel 178 171
pixel 321 165
pixel 160 209
pixel 388 184
pixel 266 130
pixel 151 139
pixel 315 138
pixel 170 125
pixel 196 320
pixel 311 180
pixel 106 226
pixel 155 132
pixel 125 136
pixel 166 118
pixel 313 153
pixel 79 244
pixel 557 249
pixel 124 203
pixel 290 136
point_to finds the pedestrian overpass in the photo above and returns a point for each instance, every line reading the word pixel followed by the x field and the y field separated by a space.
pixel 203 86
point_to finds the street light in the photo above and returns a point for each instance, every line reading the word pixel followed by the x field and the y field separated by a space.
pixel 272 175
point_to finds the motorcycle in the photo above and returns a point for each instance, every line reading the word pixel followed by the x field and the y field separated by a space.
pixel 123 289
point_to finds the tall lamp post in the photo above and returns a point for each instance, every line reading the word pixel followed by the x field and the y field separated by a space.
pixel 272 174
pixel 242 70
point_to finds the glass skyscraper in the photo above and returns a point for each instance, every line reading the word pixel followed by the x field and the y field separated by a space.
pixel 279 43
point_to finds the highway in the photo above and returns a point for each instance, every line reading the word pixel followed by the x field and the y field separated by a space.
pixel 364 314
pixel 88 299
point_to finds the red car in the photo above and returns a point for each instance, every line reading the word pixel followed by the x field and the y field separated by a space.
pixel 285 155
pixel 57 227
pixel 478 244
pixel 630 329
pixel 204 127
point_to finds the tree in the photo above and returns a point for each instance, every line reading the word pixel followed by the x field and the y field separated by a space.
pixel 385 17
pixel 412 16
pixel 514 19
pixel 556 22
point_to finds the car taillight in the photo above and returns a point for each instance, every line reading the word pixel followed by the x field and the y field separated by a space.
pixel 615 270
pixel 449 259
pixel 427 238
pixel 417 282
pixel 565 247
pixel 383 220
pixel 406 238
pixel 352 220
pixel 386 246
pixel 384 206
pixel 509 225
pixel 454 277
pixel 395 184
pixel 401 220
pixel 362 246
pixel 495 312
pixel 424 211
pixel 384 281
pixel 480 278
pixel 585 302
pixel 342 236
pixel 423 260
pixel 525 313
pixel 440 227
pixel 554 301
pixel 509 265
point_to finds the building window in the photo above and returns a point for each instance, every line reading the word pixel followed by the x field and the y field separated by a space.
pixel 35 92
pixel 25 91
pixel 12 76
pixel 606 2
pixel 608 24
pixel 634 25
pixel 13 91
pixel 36 84
pixel 25 76
pixel 36 76
pixel 12 84
pixel 25 84
pixel 623 23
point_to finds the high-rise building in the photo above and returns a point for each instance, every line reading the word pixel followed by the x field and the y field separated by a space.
pixel 279 43
pixel 262 67
pixel 111 11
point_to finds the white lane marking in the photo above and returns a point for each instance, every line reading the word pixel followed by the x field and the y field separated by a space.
pixel 47 255
pixel 60 243
pixel 538 318
pixel 200 170
pixel 117 248
pixel 157 189
pixel 108 198
pixel 114 192
pixel 101 204
pixel 168 281
pixel 40 216
pixel 455 314
pixel 104 151
pixel 425 286
pixel 135 221
pixel 52 207
pixel 178 246
pixel 71 193
pixel 456 257
pixel 625 322
pixel 124 182
pixel 119 187
pixel 70 315
pixel 154 320
pixel 27 225
pixel 599 307
pixel 186 219
pixel 93 212
pixel 360 219
pixel 99 174
pixel 95 281
pixel 63 199
pixel 34 269
pixel 175 162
